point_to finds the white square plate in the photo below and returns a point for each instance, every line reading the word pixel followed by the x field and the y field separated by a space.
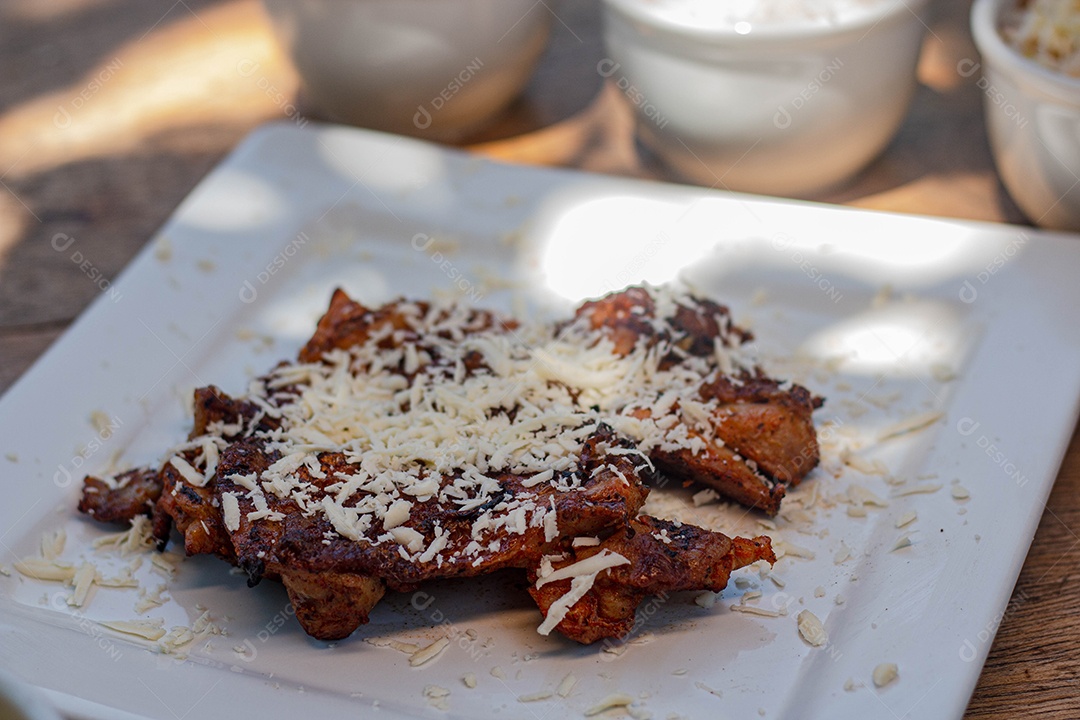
pixel 894 319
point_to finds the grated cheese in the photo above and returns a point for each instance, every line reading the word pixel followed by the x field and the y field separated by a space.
pixel 810 628
pixel 402 647
pixel 615 700
pixel 704 497
pixel 429 653
pixel 52 544
pixel 583 574
pixel 902 542
pixel 535 697
pixel 885 673
pixel 437 697
pixel 755 610
pixel 910 425
pixel 230 511
pixel 706 599
pixel 83 582
pixel 591 565
pixel 137 538
pixel 923 489
pixel 396 514
pixel 447 409
pixel 146 629
pixel 784 548
pixel 39 569
pixel 150 599
pixel 907 518
pixel 189 473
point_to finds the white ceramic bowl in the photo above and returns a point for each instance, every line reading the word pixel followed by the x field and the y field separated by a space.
pixel 430 68
pixel 1033 120
pixel 783 108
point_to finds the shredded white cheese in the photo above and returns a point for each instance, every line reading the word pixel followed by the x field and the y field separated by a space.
pixel 811 629
pixel 442 409
pixel 147 629
pixel 910 425
pixel 566 686
pixel 615 700
pixel 83 581
pixel 591 565
pixel 230 511
pixel 52 544
pixel 885 673
pixel 583 574
pixel 49 570
pixel 189 473
pixel 429 653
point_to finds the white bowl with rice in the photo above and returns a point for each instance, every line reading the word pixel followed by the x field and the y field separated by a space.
pixel 1031 86
pixel 783 97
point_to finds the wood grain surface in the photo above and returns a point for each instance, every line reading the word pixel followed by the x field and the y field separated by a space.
pixel 112 110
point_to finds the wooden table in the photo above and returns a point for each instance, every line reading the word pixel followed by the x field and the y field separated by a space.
pixel 112 110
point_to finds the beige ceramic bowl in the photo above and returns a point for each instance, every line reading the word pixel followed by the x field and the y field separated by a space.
pixel 1033 120
pixel 430 68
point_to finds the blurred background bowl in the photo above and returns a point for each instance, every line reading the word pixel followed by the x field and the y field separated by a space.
pixel 438 69
pixel 784 106
pixel 1033 121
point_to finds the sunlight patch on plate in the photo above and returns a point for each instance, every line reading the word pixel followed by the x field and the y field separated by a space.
pixel 388 163
pixel 235 200
pixel 864 240
pixel 906 339
pixel 602 244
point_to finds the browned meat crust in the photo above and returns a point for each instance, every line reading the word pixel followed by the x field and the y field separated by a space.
pixel 719 467
pixel 767 425
pixel 347 323
pixel 763 435
pixel 331 605
pixel 758 437
pixel 136 493
pixel 196 513
pixel 629 316
pixel 664 557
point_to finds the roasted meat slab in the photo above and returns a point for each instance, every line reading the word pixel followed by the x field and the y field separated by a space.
pixel 418 440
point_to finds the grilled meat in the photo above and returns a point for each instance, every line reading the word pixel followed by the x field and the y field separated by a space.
pixel 133 493
pixel 305 551
pixel 760 436
pixel 416 441
pixel 662 557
